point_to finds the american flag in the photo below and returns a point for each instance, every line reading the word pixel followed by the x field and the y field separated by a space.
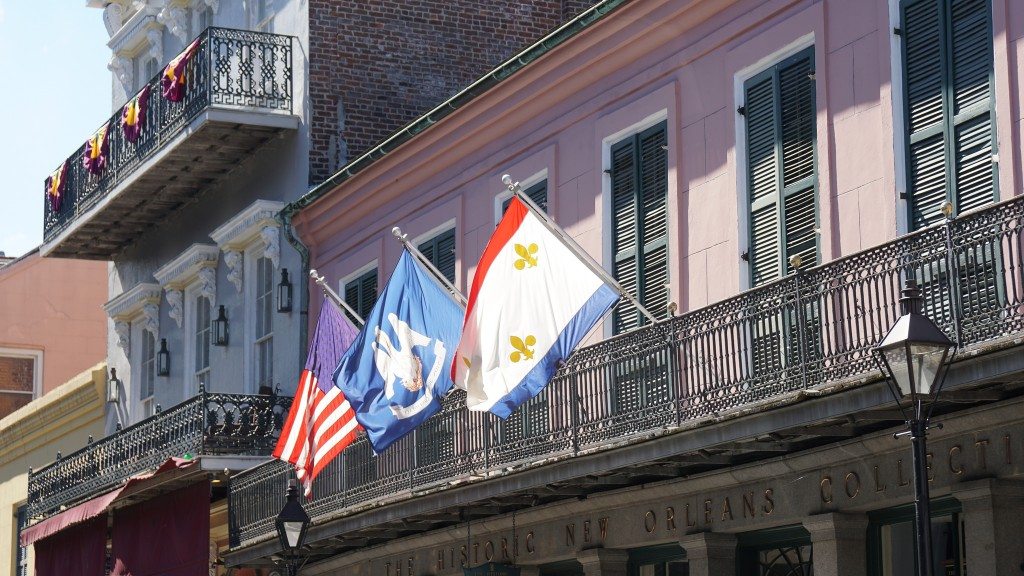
pixel 321 422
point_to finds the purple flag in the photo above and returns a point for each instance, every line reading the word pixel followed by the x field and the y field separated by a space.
pixel 97 149
pixel 133 116
pixel 173 82
pixel 55 187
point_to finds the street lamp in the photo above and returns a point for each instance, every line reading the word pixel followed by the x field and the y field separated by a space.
pixel 915 354
pixel 291 526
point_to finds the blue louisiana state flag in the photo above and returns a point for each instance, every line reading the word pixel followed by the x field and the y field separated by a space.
pixel 396 372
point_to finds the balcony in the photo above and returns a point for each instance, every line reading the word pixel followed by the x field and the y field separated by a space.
pixel 238 97
pixel 780 368
pixel 209 424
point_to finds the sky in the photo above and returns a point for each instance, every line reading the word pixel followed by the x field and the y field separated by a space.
pixel 54 93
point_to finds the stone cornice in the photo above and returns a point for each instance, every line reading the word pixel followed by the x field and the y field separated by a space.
pixel 133 302
pixel 183 270
pixel 33 426
pixel 133 32
pixel 245 227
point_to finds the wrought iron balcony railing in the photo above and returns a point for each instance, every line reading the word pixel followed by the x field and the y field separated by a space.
pixel 814 327
pixel 207 424
pixel 234 69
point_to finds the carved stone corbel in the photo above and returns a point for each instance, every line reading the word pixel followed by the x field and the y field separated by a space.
pixel 233 260
pixel 124 335
pixel 271 236
pixel 174 300
pixel 151 319
pixel 208 283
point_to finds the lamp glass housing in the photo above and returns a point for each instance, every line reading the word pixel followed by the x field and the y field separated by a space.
pixel 220 328
pixel 292 522
pixel 915 366
pixel 163 359
pixel 284 293
pixel 113 387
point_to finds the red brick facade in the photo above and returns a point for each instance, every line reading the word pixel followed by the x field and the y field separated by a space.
pixel 375 66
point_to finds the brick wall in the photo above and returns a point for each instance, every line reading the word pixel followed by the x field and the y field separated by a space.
pixel 375 66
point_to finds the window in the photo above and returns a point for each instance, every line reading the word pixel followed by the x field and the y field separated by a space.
pixel 658 561
pixel 21 558
pixel 639 190
pixel 361 293
pixel 440 251
pixel 781 174
pixel 147 378
pixel 948 108
pixel 776 552
pixel 19 378
pixel 203 20
pixel 538 193
pixel 202 333
pixel 891 546
pixel 264 314
pixel 262 15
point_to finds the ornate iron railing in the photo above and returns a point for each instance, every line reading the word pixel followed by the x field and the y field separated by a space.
pixel 235 69
pixel 814 327
pixel 208 423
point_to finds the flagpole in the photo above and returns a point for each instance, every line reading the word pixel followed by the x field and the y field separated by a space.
pixel 333 296
pixel 453 292
pixel 574 247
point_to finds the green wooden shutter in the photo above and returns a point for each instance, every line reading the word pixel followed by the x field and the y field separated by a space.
pixel 361 293
pixel 781 169
pixel 440 251
pixel 538 193
pixel 639 175
pixel 947 58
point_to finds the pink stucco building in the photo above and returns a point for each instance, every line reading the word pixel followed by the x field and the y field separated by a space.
pixel 52 326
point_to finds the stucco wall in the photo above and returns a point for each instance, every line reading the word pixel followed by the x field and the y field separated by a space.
pixel 53 306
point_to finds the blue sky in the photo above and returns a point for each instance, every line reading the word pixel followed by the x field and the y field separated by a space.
pixel 56 92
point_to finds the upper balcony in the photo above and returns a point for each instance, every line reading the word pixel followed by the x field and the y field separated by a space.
pixel 238 95
pixel 780 368
pixel 240 426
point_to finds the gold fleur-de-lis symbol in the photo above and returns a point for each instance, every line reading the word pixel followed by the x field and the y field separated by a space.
pixel 526 258
pixel 523 350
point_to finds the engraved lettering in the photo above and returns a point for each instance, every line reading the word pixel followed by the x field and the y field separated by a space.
pixel 387 568
pixel 650 522
pixel 982 444
pixel 586 530
pixel 504 548
pixel 463 556
pixel 670 518
pixel 707 511
pixel 955 468
pixel 602 524
pixel 928 467
pixel 488 550
pixel 726 509
pixel 570 534
pixel 440 560
pixel 748 506
pixel 826 490
pixel 1007 447
pixel 879 487
pixel 852 479
pixel 899 473
pixel 689 523
pixel 769 503
pixel 408 566
pixel 530 549
pixel 476 552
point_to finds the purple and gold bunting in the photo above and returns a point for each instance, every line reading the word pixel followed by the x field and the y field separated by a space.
pixel 55 187
pixel 133 116
pixel 97 150
pixel 172 81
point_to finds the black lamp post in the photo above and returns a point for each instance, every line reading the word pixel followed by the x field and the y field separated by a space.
pixel 220 328
pixel 291 527
pixel 284 293
pixel 163 359
pixel 915 355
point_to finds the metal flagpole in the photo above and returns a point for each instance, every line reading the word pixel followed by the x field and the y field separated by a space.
pixel 575 248
pixel 453 292
pixel 333 296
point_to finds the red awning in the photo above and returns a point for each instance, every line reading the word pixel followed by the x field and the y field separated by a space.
pixel 92 508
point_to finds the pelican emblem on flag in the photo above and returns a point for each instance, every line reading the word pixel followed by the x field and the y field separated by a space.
pixel 400 363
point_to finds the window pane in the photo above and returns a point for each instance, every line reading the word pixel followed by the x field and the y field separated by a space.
pixel 17 374
pixel 148 363
pixel 10 401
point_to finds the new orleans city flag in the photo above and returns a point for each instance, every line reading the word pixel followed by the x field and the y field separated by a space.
pixel 532 302
pixel 396 372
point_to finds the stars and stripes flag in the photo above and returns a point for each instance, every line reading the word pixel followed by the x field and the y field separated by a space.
pixel 321 422
pixel 532 301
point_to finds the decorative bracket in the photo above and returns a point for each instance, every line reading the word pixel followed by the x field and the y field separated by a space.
pixel 174 300
pixel 233 259
pixel 123 330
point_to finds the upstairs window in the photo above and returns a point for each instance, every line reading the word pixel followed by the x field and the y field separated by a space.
pixel 782 175
pixel 264 314
pixel 18 375
pixel 948 107
pixel 147 381
pixel 537 192
pixel 639 193
pixel 361 293
pixel 440 251
pixel 202 340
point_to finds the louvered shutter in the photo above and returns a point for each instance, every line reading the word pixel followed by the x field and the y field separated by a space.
pixel 538 193
pixel 947 56
pixel 440 251
pixel 781 168
pixel 639 175
pixel 361 293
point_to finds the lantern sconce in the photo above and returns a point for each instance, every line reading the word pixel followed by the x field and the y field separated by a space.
pixel 220 328
pixel 284 293
pixel 163 359
pixel 113 387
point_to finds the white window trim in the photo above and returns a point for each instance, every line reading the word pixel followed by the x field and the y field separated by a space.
pixel 506 193
pixel 37 368
pixel 146 406
pixel 189 387
pixel 435 231
pixel 607 257
pixel 739 145
pixel 249 256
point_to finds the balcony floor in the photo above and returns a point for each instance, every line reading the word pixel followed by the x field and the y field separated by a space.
pixel 205 151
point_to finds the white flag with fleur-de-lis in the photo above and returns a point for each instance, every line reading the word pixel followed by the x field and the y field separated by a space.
pixel 531 303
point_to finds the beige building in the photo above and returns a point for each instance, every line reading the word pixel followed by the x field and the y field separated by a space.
pixel 62 421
